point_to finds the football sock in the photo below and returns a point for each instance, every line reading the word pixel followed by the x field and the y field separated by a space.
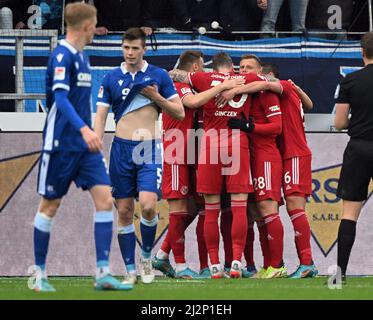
pixel 180 267
pixel 346 239
pixel 302 231
pixel 202 250
pixel 239 228
pixel 42 228
pixel 127 245
pixel 162 255
pixel 176 230
pixel 264 243
pixel 165 247
pixel 249 247
pixel 211 231
pixel 103 231
pixel 148 229
pixel 275 236
pixel 226 232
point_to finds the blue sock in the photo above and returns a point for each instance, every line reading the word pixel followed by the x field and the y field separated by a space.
pixel 103 235
pixel 42 228
pixel 127 245
pixel 148 230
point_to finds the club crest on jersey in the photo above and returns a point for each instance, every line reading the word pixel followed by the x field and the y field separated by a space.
pixel 324 207
pixel 100 92
pixel 59 73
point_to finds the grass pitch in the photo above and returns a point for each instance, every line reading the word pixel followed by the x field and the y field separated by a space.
pixel 72 288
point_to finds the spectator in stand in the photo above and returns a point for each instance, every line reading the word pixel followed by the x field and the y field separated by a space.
pixel 160 13
pixel 120 15
pixel 240 15
pixel 196 13
pixel 298 10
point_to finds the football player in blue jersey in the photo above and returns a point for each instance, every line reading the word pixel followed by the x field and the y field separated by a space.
pixel 135 91
pixel 71 149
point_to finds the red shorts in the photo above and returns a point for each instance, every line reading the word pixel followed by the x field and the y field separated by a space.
pixel 297 179
pixel 267 179
pixel 176 181
pixel 231 178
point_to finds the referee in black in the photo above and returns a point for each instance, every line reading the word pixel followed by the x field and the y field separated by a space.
pixel 355 98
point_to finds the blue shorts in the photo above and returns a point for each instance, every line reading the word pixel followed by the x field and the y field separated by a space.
pixel 135 166
pixel 58 169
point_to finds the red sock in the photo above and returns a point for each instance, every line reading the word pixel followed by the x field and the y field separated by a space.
pixel 202 250
pixel 302 231
pixel 249 248
pixel 211 231
pixel 177 238
pixel 264 243
pixel 239 228
pixel 275 236
pixel 226 232
pixel 166 245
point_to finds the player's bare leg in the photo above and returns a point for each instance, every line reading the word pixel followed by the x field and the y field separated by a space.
pixel 127 237
pixel 347 232
pixel 211 231
pixel 42 228
pixel 239 231
pixel 296 208
pixel 275 234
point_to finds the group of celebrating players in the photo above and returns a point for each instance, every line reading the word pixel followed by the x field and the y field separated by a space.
pixel 252 146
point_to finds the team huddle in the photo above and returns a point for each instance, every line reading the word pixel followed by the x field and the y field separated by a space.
pixel 231 145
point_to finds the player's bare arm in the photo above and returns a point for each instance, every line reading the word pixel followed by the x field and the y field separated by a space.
pixel 307 103
pixel 100 121
pixel 173 107
pixel 91 138
pixel 341 120
pixel 179 75
pixel 194 101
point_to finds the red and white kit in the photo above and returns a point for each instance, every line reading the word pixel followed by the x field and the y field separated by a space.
pixel 266 159
pixel 178 181
pixel 218 139
pixel 297 156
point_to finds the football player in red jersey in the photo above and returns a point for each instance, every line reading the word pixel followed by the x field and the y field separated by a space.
pixel 264 128
pixel 178 185
pixel 216 169
pixel 297 158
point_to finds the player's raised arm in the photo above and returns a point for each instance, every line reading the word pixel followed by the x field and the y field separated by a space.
pixel 307 103
pixel 178 75
pixel 172 106
pixel 197 100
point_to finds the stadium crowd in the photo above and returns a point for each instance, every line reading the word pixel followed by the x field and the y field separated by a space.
pixel 232 15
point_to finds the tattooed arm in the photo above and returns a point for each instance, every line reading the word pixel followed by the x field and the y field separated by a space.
pixel 179 76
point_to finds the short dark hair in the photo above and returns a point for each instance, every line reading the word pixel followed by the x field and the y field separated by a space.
pixel 187 58
pixel 251 56
pixel 134 34
pixel 221 59
pixel 268 67
pixel 367 44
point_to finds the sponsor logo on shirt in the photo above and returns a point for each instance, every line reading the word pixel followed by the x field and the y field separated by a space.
pixel 274 108
pixel 84 79
pixel 59 73
pixel 185 90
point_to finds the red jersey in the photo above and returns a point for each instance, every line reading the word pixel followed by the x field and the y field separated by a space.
pixel 215 117
pixel 266 112
pixel 170 135
pixel 292 141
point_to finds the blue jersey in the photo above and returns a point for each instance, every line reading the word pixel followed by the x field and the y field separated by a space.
pixel 68 69
pixel 120 88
